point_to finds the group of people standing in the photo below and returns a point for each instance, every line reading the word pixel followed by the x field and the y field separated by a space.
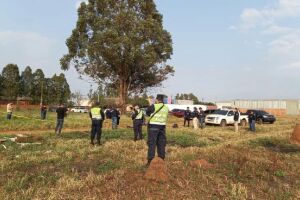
pixel 158 114
pixel 197 116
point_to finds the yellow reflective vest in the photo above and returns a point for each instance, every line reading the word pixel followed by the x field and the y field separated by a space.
pixel 160 117
pixel 96 113
pixel 140 114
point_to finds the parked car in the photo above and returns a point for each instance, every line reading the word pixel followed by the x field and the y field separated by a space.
pixel 177 112
pixel 262 116
pixel 225 117
pixel 80 109
pixel 209 111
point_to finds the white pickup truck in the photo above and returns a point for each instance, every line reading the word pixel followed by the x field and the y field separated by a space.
pixel 224 117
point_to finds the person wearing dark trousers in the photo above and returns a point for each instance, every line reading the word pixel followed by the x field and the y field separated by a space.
pixel 114 118
pixel 43 111
pixel 61 112
pixel 138 117
pixel 97 116
pixel 236 118
pixel 158 113
pixel 252 120
pixel 201 118
pixel 187 116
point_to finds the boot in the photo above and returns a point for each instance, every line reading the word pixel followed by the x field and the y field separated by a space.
pixel 148 163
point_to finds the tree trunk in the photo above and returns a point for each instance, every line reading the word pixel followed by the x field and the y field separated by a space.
pixel 123 93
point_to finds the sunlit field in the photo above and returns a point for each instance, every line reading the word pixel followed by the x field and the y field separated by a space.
pixel 244 165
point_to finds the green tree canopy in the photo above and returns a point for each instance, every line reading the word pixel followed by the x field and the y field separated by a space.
pixel 26 82
pixel 10 81
pixel 38 85
pixel 121 43
pixel 189 96
pixel 1 86
pixel 60 89
pixel 192 97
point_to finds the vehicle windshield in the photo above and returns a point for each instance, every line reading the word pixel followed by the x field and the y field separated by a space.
pixel 264 112
pixel 220 112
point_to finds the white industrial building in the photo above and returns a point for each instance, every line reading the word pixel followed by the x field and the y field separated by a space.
pixel 279 107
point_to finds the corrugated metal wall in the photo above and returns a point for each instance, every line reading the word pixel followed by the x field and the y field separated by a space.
pixel 261 104
pixel 292 107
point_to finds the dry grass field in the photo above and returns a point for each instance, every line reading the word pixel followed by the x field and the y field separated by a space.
pixel 244 165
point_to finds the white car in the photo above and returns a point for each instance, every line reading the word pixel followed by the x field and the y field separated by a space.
pixel 225 117
pixel 80 109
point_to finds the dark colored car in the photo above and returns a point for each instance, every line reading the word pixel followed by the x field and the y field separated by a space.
pixel 262 116
pixel 177 112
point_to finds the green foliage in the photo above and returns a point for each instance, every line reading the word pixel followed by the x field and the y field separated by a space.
pixel 97 96
pixel 34 86
pixel 108 166
pixel 192 97
pixel 280 145
pixel 60 90
pixel 10 81
pixel 279 173
pixel 26 83
pixel 189 96
pixel 1 86
pixel 185 140
pixel 38 85
pixel 121 44
pixel 141 101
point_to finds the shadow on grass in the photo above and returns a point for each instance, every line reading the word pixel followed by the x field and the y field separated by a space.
pixel 275 144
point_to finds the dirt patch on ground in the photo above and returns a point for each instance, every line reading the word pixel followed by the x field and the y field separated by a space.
pixel 201 164
pixel 157 170
pixel 29 139
pixel 84 166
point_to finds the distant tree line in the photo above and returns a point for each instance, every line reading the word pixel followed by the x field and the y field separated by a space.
pixel 193 98
pixel 33 85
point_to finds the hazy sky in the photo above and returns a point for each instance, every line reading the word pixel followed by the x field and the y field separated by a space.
pixel 223 49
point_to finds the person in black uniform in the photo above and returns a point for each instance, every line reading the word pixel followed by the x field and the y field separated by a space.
pixel 43 111
pixel 187 116
pixel 252 120
pixel 158 113
pixel 201 118
pixel 61 112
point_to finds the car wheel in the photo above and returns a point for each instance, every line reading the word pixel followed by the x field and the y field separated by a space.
pixel 243 123
pixel 272 122
pixel 260 121
pixel 223 123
